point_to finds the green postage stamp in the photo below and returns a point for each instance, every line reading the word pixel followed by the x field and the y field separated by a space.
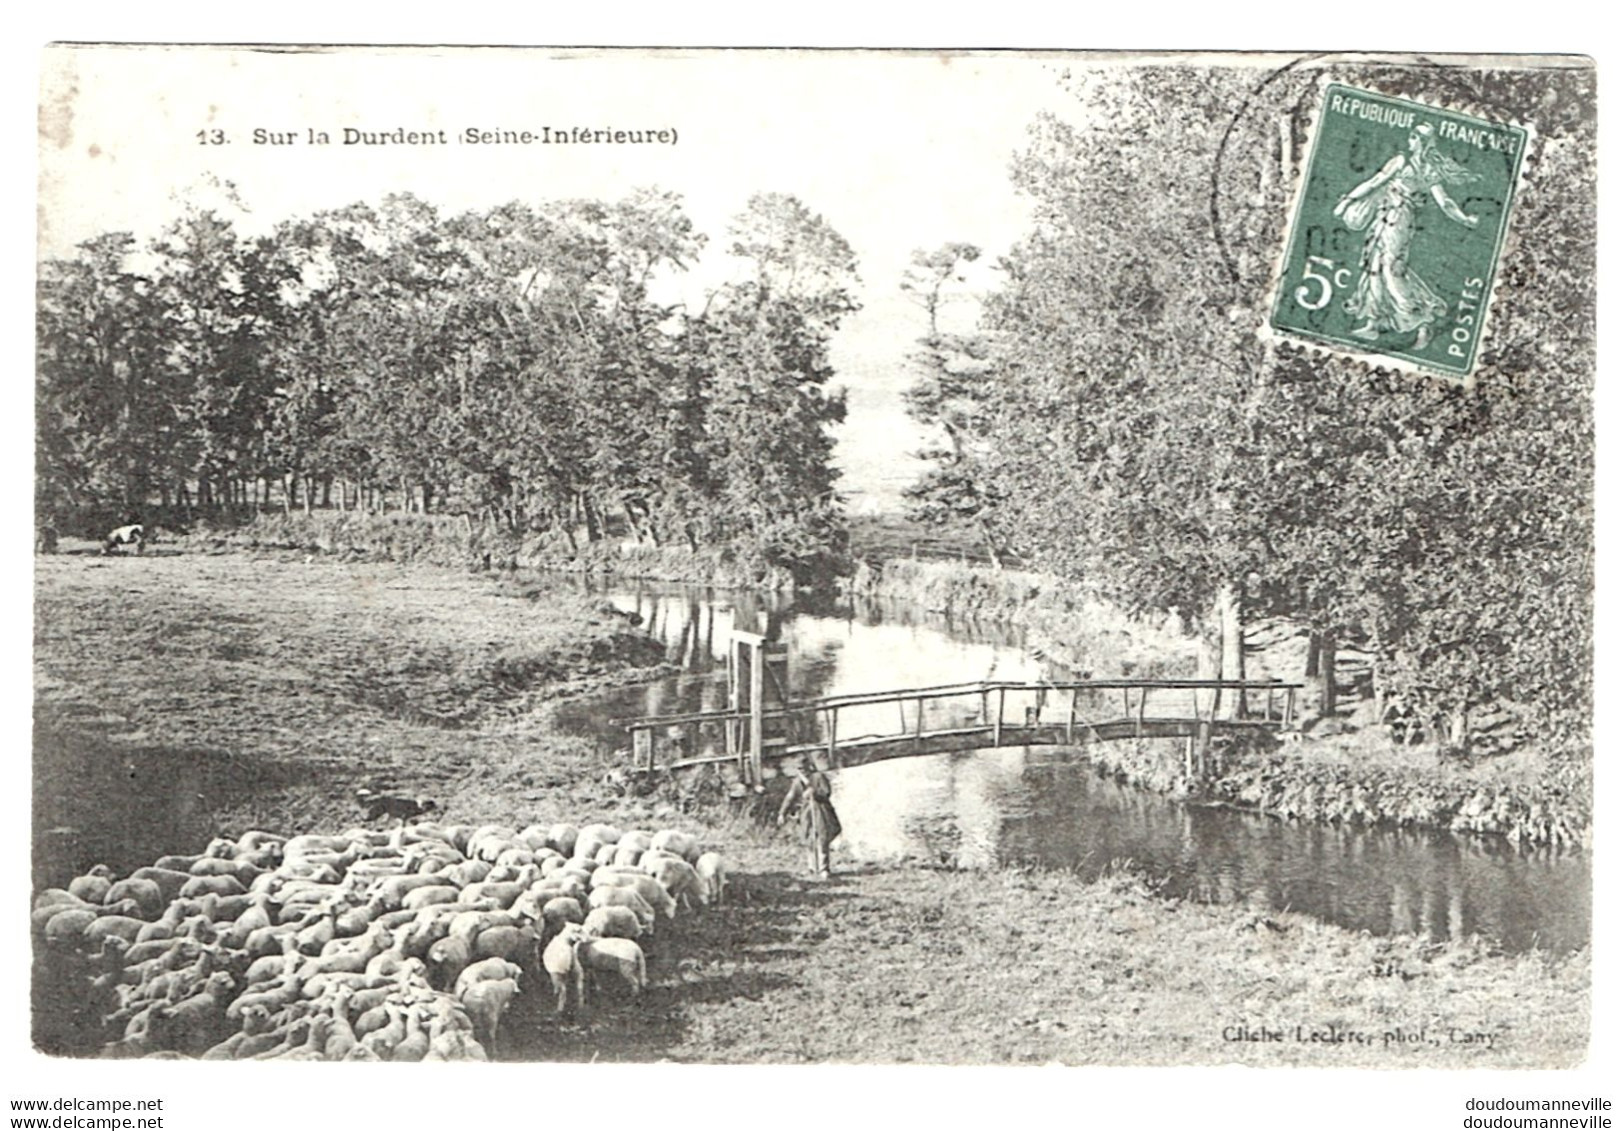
pixel 1397 231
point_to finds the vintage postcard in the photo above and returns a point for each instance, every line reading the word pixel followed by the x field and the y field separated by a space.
pixel 811 557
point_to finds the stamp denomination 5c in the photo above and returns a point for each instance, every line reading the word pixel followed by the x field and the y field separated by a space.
pixel 1397 231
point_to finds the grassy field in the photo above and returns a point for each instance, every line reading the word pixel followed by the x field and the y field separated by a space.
pixel 181 694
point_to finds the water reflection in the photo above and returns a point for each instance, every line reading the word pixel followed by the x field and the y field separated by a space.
pixel 1051 807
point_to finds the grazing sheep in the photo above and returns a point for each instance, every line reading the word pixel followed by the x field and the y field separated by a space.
pixel 198 1023
pixel 467 924
pixel 455 1044
pixel 315 936
pixel 196 886
pixel 447 958
pixel 487 1003
pixel 639 839
pixel 607 834
pixel 145 892
pixel 712 868
pixel 169 881
pixel 679 843
pixel 560 910
pixel 489 841
pixel 626 855
pixel 610 956
pixel 562 838
pixel 240 871
pixel 683 883
pixel 503 893
pixel 382 1041
pixel 66 928
pixel 513 943
pixel 414 1045
pixel 553 886
pixel 429 896
pixel 613 923
pixel 92 887
pixel 257 1034
pixel 650 889
pixel 222 908
pixel 284 992
pixel 467 872
pixel 393 890
pixel 126 927
pixel 624 897
pixel 486 970
pixel 319 1030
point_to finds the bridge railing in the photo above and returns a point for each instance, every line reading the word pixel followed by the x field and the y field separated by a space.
pixel 981 707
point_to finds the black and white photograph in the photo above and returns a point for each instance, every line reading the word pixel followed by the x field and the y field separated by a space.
pixel 766 557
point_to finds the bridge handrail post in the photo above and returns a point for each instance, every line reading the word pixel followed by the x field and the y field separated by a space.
pixel 1070 726
pixel 996 727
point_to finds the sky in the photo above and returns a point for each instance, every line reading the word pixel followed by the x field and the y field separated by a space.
pixel 898 152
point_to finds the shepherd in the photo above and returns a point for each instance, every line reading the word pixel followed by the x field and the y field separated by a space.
pixel 819 824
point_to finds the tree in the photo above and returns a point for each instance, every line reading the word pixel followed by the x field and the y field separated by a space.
pixel 1141 436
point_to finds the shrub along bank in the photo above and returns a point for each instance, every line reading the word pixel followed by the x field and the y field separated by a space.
pixel 1539 794
pixel 456 542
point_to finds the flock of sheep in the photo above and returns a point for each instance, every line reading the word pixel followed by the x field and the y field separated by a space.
pixel 408 945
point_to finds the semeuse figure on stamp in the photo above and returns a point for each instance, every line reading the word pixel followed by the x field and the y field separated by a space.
pixel 1390 297
pixel 819 824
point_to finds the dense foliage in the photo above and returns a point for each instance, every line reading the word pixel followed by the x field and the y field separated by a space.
pixel 510 364
pixel 1132 428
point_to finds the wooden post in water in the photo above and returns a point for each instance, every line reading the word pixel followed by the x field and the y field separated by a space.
pixel 746 680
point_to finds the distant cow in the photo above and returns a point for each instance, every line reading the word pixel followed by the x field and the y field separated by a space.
pixel 132 535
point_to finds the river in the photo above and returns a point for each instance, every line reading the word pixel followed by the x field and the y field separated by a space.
pixel 1054 808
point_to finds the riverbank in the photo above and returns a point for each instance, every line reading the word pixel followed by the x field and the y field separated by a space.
pixel 1536 795
pixel 454 541
pixel 182 695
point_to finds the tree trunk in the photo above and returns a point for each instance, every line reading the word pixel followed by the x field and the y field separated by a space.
pixel 1458 728
pixel 594 522
pixel 1231 702
pixel 1327 692
pixel 991 545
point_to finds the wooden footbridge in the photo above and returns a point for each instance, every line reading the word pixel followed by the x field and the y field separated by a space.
pixel 763 728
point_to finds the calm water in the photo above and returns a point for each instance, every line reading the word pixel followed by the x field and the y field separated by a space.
pixel 1052 807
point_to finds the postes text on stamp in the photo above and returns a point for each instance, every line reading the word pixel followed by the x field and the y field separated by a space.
pixel 1397 231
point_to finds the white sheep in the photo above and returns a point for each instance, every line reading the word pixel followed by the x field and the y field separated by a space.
pixel 611 956
pixel 712 868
